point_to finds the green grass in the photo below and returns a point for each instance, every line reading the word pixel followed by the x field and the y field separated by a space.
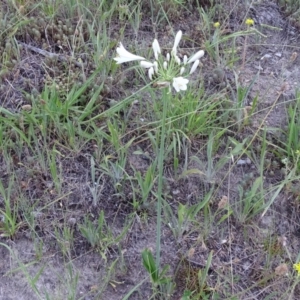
pixel 105 174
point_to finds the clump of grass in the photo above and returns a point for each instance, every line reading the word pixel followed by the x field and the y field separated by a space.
pixel 10 222
pixel 162 284
pixel 293 133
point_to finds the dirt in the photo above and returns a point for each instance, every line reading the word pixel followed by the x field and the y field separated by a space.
pixel 235 250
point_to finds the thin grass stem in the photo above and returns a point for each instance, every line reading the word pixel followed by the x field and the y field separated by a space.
pixel 160 166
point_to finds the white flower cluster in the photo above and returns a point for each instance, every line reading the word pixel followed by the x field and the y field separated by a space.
pixel 170 69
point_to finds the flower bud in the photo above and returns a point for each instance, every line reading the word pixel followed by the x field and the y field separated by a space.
pixel 150 73
pixel 165 65
pixel 194 66
pixel 146 64
pixel 196 56
pixel 176 42
pixel 182 70
pixel 177 59
pixel 156 48
pixel 185 59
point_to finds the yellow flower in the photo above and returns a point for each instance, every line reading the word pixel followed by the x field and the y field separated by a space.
pixel 217 24
pixel 249 22
pixel 297 268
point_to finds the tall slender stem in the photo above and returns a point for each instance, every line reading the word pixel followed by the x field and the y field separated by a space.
pixel 160 174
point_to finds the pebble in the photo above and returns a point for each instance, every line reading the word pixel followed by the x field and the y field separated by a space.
pixel 72 221
pixel 243 162
pixel 266 56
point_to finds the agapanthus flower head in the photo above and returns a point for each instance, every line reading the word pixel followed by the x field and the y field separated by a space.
pixel 169 70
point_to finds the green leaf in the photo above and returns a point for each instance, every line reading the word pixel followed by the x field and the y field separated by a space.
pixel 150 266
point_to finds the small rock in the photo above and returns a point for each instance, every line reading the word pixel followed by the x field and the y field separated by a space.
pixel 37 214
pixel 266 56
pixel 267 221
pixel 26 107
pixel 72 221
pixel 259 68
pixel 282 270
pixel 246 265
pixel 243 162
pixel 175 192
pixel 286 74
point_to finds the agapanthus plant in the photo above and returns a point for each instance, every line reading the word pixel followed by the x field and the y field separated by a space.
pixel 166 70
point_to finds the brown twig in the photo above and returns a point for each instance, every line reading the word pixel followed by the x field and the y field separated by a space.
pixel 51 55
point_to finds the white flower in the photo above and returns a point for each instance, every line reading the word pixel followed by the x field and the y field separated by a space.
pixel 176 42
pixel 168 56
pixel 125 56
pixel 177 59
pixel 150 73
pixel 185 59
pixel 180 83
pixel 156 48
pixel 182 70
pixel 146 64
pixel 196 56
pixel 165 65
pixel 194 66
